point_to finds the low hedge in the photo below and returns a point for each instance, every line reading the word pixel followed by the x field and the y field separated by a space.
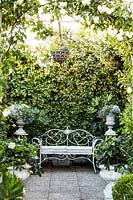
pixel 123 189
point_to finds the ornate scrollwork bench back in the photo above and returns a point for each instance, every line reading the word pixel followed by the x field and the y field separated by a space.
pixel 67 143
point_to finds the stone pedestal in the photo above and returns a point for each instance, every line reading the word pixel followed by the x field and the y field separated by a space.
pixel 110 176
pixel 108 191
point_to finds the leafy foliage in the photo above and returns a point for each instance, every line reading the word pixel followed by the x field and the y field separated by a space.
pixel 71 93
pixel 59 90
pixel 17 153
pixel 11 187
pixel 123 188
pixel 110 152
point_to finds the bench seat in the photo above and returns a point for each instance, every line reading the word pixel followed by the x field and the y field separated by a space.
pixel 67 150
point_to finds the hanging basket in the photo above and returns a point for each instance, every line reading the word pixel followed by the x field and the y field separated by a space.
pixel 60 56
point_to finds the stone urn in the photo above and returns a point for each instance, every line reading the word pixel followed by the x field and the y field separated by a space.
pixel 109 174
pixel 110 122
pixel 20 173
pixel 20 122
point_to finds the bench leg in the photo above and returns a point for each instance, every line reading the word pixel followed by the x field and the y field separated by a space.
pixel 93 162
pixel 40 161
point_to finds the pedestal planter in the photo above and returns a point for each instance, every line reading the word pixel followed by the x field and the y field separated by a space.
pixel 110 121
pixel 20 124
pixel 22 174
pixel 110 176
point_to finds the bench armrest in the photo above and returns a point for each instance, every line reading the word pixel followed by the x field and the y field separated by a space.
pixel 36 140
pixel 95 142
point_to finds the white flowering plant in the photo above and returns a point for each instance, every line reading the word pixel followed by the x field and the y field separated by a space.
pixel 109 110
pixel 18 153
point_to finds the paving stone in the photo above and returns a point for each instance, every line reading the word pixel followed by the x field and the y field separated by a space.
pixel 36 196
pixel 65 183
pixel 91 193
pixel 64 196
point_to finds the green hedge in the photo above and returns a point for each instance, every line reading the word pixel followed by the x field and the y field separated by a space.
pixel 73 92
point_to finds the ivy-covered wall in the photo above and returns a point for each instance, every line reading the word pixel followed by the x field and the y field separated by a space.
pixel 73 92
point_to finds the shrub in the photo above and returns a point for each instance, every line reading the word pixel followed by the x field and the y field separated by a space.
pixel 17 153
pixel 123 188
pixel 11 187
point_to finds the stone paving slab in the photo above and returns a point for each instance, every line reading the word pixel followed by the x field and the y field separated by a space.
pixel 65 183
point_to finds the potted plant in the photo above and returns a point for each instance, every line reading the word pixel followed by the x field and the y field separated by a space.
pixel 109 155
pixel 17 111
pixel 20 112
pixel 26 116
pixel 61 55
pixel 109 112
pixel 11 187
pixel 110 158
pixel 18 156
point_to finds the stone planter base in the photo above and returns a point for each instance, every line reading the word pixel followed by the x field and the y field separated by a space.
pixel 110 176
pixel 23 174
pixel 108 191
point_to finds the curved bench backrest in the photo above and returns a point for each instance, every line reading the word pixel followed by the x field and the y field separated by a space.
pixel 57 137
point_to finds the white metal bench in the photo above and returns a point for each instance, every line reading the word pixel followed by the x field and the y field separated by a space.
pixel 66 144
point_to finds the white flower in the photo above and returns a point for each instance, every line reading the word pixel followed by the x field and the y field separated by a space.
pixel 119 37
pixel 6 112
pixel 15 110
pixel 96 20
pixel 129 34
pixel 19 2
pixel 86 2
pixel 112 31
pixel 129 90
pixel 101 9
pixel 108 10
pixel 24 192
pixel 104 9
pixel 11 145
pixel 129 1
pixel 63 4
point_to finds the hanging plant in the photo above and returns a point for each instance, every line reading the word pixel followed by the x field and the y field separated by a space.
pixel 60 55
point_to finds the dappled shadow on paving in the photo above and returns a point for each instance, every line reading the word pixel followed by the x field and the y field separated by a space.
pixel 77 182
